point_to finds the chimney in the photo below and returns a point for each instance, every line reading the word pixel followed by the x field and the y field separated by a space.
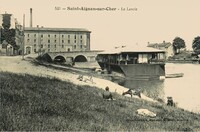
pixel 31 21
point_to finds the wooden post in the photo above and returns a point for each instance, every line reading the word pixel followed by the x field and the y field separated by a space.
pixel 0 34
pixel 23 41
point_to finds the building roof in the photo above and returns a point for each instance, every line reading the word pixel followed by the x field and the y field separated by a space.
pixel 56 29
pixel 136 49
pixel 164 44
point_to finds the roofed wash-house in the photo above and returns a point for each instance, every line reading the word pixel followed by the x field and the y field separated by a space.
pixel 134 62
pixel 166 46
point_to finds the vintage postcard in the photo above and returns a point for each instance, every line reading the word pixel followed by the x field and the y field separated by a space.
pixel 99 65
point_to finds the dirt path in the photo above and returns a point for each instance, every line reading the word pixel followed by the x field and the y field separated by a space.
pixel 17 65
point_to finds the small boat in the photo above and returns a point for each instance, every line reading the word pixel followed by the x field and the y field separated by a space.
pixel 174 75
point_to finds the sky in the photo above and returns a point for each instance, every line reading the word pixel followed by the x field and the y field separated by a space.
pixel 151 21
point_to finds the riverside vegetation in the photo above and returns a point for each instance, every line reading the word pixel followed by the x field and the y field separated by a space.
pixel 34 103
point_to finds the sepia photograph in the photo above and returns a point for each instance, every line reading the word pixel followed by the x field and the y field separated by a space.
pixel 91 65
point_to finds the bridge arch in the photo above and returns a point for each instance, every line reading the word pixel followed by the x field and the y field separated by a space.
pixel 80 58
pixel 59 58
pixel 47 57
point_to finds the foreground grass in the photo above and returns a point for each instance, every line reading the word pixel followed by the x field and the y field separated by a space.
pixel 39 104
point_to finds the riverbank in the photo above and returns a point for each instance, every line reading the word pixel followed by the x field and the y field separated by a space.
pixel 184 57
pixel 184 61
pixel 30 66
pixel 32 103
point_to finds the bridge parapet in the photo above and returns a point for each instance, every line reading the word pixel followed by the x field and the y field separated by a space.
pixel 75 56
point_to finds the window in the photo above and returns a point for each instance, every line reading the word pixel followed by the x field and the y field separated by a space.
pixel 48 35
pixel 34 50
pixel 42 36
pixel 62 36
pixel 68 36
pixel 74 41
pixel 68 41
pixel 34 40
pixel 55 36
pixel 55 41
pixel 48 45
pixel 62 46
pixel 68 49
pixel 81 41
pixel 74 36
pixel 62 41
pixel 28 40
pixel 41 45
pixel 74 46
pixel 28 35
pixel 49 41
pixel 55 46
pixel 48 50
pixel 81 36
pixel 34 45
pixel 81 46
pixel 34 35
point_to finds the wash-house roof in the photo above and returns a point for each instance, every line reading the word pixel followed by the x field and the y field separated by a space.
pixel 136 49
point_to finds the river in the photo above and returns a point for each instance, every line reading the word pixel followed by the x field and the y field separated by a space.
pixel 184 90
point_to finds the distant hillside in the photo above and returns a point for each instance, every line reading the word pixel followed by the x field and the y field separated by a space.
pixel 31 103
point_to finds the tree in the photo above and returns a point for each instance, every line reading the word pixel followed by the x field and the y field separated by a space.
pixel 178 43
pixel 8 34
pixel 196 45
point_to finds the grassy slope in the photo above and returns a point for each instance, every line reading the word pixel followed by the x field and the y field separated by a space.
pixel 38 103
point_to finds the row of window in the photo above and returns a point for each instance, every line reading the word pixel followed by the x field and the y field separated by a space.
pixel 55 41
pixel 42 46
pixel 75 36
pixel 35 50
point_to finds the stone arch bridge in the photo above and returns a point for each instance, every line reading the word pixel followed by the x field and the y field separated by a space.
pixel 72 56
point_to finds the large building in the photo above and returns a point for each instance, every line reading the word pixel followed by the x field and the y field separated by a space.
pixel 56 39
